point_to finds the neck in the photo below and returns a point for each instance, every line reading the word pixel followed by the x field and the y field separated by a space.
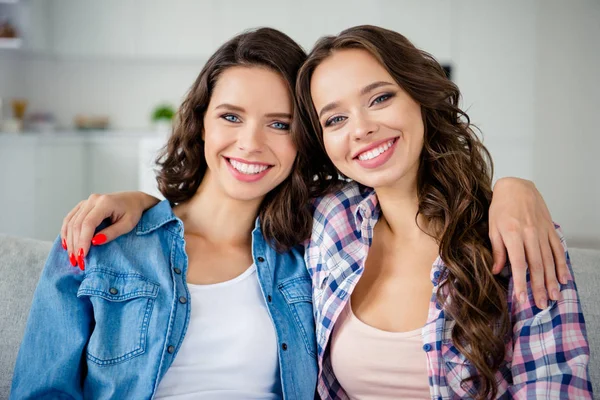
pixel 218 218
pixel 399 206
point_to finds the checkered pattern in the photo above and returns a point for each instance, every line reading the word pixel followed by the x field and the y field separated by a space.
pixel 547 355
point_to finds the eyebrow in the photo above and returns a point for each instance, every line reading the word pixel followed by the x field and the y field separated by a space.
pixel 370 87
pixel 230 107
pixel 239 109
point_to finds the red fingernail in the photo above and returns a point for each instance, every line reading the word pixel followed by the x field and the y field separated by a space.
pixel 64 244
pixel 81 262
pixel 99 239
pixel 72 259
pixel 80 253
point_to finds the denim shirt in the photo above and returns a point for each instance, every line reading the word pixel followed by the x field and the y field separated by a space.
pixel 113 330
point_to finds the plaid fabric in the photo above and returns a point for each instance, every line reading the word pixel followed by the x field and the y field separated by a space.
pixel 546 357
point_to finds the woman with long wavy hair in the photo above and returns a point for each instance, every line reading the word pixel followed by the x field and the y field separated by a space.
pixel 209 297
pixel 411 228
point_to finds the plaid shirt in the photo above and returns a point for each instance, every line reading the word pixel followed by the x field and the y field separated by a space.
pixel 546 356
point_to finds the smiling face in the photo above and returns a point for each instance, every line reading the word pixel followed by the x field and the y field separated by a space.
pixel 372 129
pixel 247 142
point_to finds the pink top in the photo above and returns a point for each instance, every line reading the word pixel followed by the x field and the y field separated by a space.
pixel 372 364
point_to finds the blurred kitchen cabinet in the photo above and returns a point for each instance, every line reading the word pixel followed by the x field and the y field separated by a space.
pixel 37 26
pixel 95 28
pixel 315 18
pixel 113 164
pixel 17 187
pixel 237 16
pixel 430 25
pixel 177 29
pixel 60 176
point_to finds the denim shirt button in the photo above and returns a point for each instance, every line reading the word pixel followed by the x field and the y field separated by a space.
pixel 171 349
pixel 427 347
pixel 269 298
pixel 182 300
pixel 177 271
pixel 113 291
pixel 284 346
pixel 261 259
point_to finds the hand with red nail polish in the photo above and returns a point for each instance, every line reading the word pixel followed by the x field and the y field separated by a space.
pixel 64 244
pixel 99 239
pixel 72 259
pixel 123 209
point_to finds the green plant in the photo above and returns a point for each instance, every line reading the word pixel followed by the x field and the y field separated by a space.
pixel 162 113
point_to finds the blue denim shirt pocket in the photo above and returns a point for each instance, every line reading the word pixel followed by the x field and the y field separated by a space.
pixel 122 304
pixel 297 292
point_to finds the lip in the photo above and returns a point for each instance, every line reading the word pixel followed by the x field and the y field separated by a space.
pixel 380 159
pixel 245 177
pixel 248 162
pixel 374 145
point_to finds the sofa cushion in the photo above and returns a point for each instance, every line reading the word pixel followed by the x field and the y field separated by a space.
pixel 21 263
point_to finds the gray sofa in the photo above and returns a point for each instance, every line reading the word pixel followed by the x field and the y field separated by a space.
pixel 21 261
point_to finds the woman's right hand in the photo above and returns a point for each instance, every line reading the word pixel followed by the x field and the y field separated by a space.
pixel 124 210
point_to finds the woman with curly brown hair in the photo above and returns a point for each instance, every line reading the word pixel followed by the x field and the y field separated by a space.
pixel 208 297
pixel 406 304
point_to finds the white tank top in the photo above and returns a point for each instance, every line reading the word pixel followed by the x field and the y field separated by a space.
pixel 229 351
pixel 372 364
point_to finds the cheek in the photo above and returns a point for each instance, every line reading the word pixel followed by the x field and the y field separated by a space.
pixel 336 147
pixel 286 151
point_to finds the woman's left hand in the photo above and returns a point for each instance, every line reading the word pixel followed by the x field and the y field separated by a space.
pixel 521 225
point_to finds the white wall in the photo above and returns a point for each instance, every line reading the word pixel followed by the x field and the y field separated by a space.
pixel 567 140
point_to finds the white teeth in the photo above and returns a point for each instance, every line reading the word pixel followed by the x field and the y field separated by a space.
pixel 371 154
pixel 248 169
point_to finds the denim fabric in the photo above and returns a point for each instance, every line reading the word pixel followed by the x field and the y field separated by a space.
pixel 113 330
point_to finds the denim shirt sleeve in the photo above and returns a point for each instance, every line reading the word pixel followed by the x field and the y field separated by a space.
pixel 51 359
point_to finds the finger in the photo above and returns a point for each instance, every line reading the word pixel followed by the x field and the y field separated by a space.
pixel 65 224
pixel 112 232
pixel 77 225
pixel 516 255
pixel 560 258
pixel 498 252
pixel 536 267
pixel 89 225
pixel 549 269
pixel 70 239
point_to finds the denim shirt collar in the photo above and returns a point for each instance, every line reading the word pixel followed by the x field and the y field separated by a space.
pixel 162 214
pixel 157 217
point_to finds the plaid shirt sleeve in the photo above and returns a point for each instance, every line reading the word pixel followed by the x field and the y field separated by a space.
pixel 550 347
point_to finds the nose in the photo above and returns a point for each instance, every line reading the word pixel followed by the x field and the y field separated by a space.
pixel 250 139
pixel 363 126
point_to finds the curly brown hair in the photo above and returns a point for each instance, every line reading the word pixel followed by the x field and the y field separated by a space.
pixel 454 190
pixel 284 213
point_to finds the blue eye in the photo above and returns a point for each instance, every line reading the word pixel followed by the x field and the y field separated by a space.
pixel 230 118
pixel 334 120
pixel 381 99
pixel 280 126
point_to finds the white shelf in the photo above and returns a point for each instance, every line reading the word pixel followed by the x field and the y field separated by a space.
pixel 10 43
pixel 9 1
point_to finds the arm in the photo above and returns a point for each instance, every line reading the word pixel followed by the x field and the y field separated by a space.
pixel 520 223
pixel 51 359
pixel 551 351
pixel 124 210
